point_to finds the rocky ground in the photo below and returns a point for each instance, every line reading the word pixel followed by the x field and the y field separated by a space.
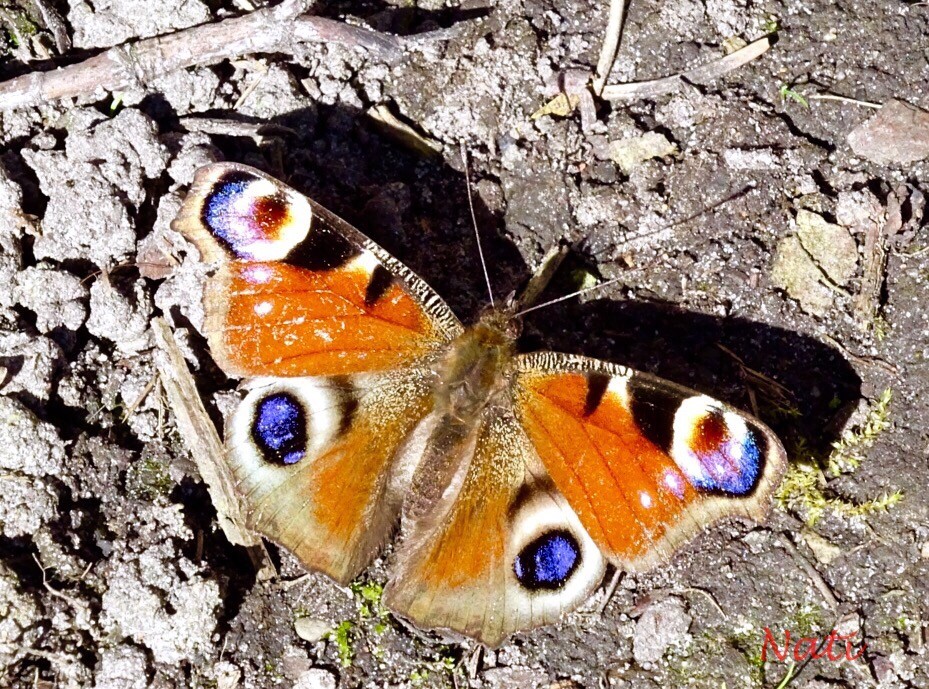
pixel 771 250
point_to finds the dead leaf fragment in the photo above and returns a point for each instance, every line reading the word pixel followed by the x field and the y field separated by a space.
pixel 630 153
pixel 830 246
pixel 898 133
pixel 561 105
pixel 795 273
pixel 810 264
pixel 403 133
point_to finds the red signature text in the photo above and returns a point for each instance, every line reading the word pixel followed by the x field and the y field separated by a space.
pixel 835 647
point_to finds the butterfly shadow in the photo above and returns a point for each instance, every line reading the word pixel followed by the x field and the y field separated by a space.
pixel 804 389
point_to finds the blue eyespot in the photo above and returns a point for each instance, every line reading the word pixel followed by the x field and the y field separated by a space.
pixel 548 561
pixel 279 428
pixel 730 465
pixel 728 462
pixel 220 215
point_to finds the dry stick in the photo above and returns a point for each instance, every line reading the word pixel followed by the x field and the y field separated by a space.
pixel 815 577
pixel 701 74
pixel 614 28
pixel 204 444
pixel 867 301
pixel 278 29
pixel 844 99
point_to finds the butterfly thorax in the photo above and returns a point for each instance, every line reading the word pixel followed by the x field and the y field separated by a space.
pixel 472 372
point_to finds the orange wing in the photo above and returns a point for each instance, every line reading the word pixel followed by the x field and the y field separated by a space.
pixel 317 461
pixel 644 463
pixel 501 550
pixel 299 291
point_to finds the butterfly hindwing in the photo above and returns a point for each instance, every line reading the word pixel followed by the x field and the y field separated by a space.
pixel 646 464
pixel 298 291
pixel 319 461
pixel 500 551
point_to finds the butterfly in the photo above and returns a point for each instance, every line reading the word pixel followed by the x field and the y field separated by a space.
pixel 514 478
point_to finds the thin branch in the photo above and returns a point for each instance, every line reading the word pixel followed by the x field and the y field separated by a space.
pixel 610 590
pixel 279 29
pixel 614 28
pixel 700 75
pixel 815 577
pixel 844 99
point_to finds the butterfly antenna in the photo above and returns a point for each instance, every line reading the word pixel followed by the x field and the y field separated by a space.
pixel 580 292
pixel 477 233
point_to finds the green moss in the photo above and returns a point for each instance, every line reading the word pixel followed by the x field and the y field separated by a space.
pixel 807 620
pixel 787 93
pixel 368 595
pixel 18 26
pixel 803 487
pixel 846 455
pixel 343 637
pixel 442 663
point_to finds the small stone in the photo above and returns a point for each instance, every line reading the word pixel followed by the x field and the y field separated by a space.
pixel 630 153
pixel 311 629
pixel 858 209
pixel 898 133
pixel 316 678
pixel 227 675
pixel 662 625
pixel 823 550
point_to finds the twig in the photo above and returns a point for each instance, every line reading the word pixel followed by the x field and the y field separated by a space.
pixel 864 360
pixel 76 603
pixel 813 574
pixel 845 99
pixel 610 590
pixel 279 29
pixel 141 398
pixel 698 75
pixel 206 448
pixel 867 301
pixel 614 28
pixel 232 127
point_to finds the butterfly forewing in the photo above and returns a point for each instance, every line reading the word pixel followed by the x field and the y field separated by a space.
pixel 338 336
pixel 298 291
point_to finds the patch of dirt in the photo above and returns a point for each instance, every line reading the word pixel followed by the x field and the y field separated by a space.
pixel 113 572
